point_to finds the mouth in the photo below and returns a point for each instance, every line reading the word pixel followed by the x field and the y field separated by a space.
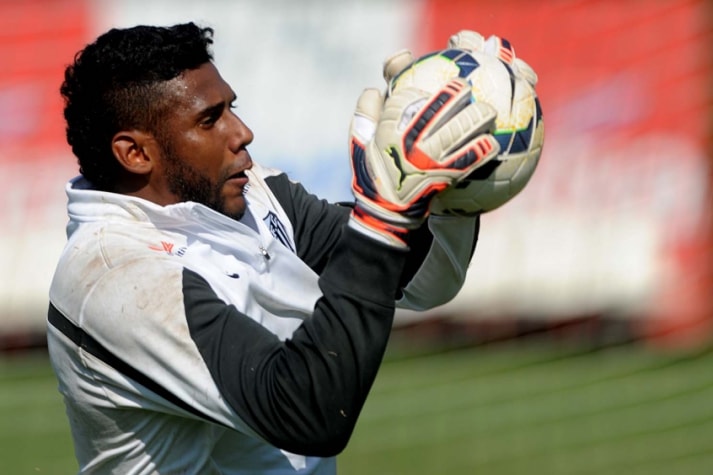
pixel 237 175
pixel 238 178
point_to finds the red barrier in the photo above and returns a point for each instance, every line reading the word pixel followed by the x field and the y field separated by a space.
pixel 634 79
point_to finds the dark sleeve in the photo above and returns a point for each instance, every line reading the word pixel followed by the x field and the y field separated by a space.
pixel 304 394
pixel 420 242
pixel 318 224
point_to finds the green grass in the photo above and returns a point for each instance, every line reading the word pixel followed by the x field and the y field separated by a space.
pixel 498 410
pixel 34 433
pixel 524 409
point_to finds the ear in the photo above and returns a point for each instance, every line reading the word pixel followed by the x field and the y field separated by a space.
pixel 135 151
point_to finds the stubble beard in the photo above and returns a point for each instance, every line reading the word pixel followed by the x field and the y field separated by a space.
pixel 189 184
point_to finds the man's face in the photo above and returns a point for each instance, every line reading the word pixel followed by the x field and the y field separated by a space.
pixel 203 154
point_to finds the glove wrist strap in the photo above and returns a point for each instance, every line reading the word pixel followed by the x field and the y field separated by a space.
pixel 380 230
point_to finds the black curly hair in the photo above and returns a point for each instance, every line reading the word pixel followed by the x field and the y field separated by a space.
pixel 117 83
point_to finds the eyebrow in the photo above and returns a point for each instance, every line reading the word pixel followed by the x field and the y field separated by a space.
pixel 216 108
pixel 212 110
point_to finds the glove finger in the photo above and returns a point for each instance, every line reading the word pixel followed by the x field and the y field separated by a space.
pixel 499 48
pixel 468 40
pixel 457 166
pixel 494 46
pixel 457 127
pixel 504 50
pixel 460 131
pixel 441 107
pixel 473 155
pixel 415 113
pixel 396 63
pixel 366 115
pixel 525 71
pixel 369 104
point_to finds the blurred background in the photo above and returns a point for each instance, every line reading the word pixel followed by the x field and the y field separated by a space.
pixel 581 342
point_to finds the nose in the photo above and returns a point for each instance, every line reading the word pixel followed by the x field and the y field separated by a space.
pixel 241 135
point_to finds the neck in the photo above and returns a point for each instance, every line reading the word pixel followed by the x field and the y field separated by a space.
pixel 140 186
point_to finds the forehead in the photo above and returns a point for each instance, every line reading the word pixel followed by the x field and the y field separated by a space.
pixel 195 89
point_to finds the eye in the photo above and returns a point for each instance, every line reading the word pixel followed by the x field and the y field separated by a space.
pixel 210 119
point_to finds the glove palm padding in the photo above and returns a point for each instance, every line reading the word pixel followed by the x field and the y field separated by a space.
pixel 408 148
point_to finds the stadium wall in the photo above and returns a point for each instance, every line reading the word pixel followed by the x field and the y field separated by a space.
pixel 616 221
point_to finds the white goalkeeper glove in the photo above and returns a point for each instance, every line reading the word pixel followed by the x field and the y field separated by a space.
pixel 408 148
pixel 470 41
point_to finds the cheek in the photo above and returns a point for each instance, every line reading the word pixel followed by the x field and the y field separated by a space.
pixel 204 153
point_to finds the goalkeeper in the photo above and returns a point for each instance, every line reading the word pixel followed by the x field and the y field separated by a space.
pixel 208 315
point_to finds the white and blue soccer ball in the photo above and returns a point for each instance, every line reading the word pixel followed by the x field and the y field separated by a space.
pixel 519 126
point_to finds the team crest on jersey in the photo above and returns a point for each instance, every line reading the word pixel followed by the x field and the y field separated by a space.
pixel 277 229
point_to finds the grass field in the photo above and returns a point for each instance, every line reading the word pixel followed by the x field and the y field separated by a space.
pixel 496 409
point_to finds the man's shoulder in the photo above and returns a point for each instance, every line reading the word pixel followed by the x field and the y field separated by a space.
pixel 96 248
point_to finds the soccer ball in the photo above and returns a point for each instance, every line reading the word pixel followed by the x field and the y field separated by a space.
pixel 519 126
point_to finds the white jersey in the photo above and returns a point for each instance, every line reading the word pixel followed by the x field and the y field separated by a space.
pixel 188 342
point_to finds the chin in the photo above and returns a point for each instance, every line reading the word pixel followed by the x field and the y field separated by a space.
pixel 234 209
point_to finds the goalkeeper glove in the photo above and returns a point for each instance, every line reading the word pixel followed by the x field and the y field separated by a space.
pixel 408 148
pixel 470 41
